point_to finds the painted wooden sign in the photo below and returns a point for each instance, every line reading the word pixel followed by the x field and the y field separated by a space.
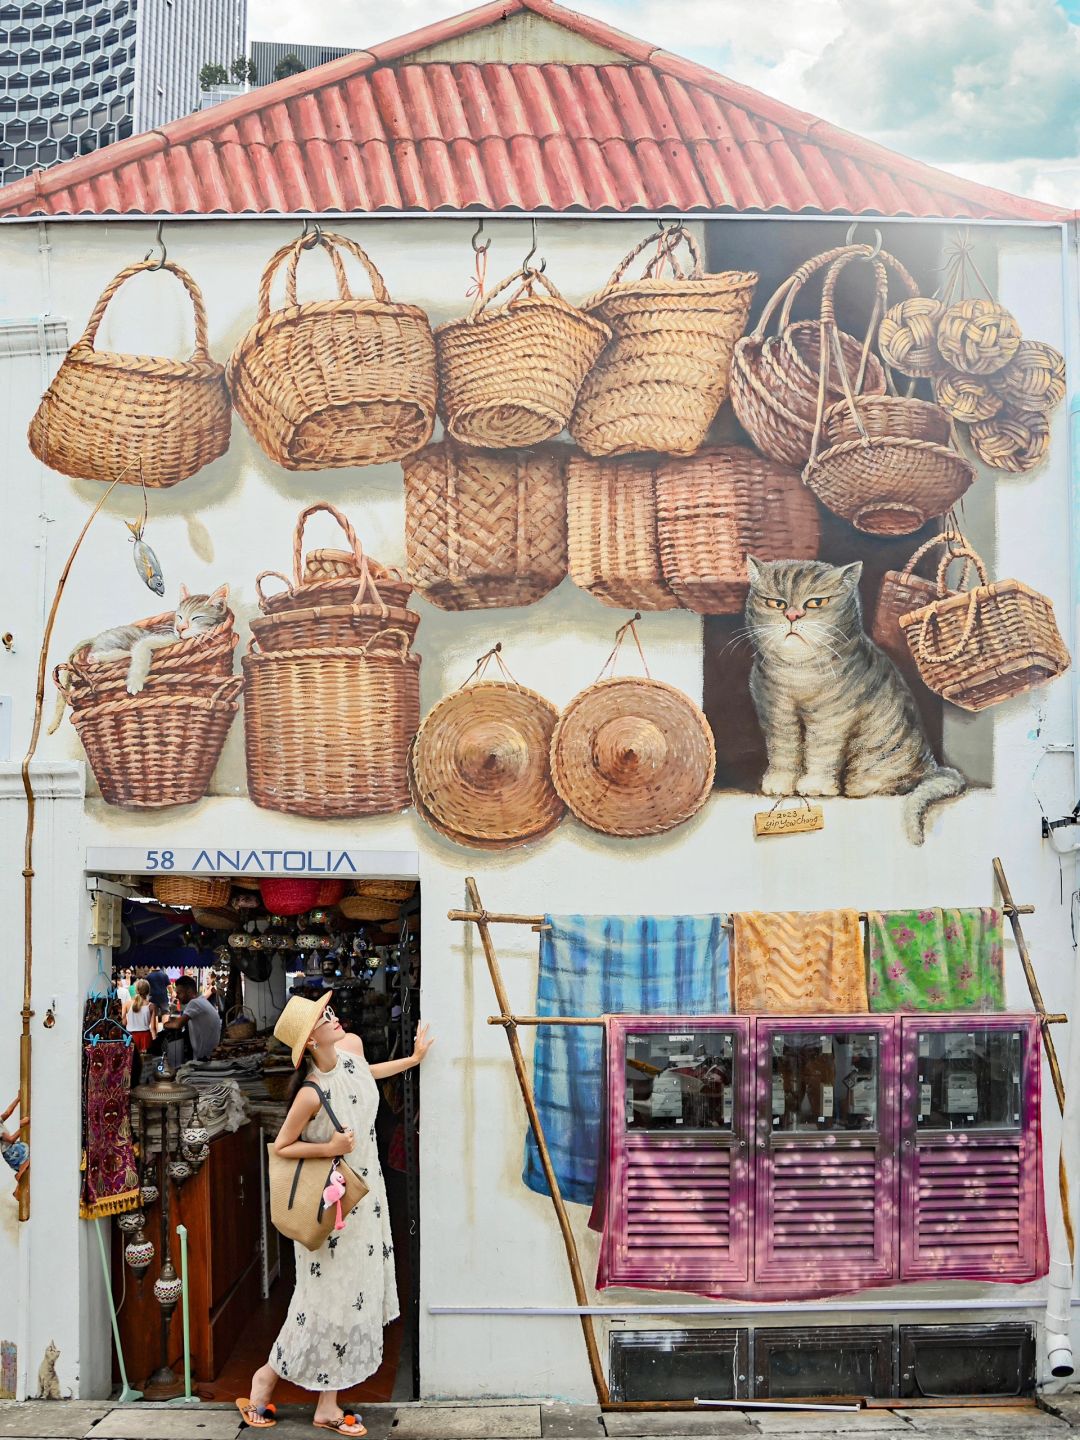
pixel 789 822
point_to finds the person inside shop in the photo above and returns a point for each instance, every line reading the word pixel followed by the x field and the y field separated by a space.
pixel 159 990
pixel 198 1019
pixel 346 1291
pixel 140 1016
pixel 212 994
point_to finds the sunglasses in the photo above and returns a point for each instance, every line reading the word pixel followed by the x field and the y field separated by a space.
pixel 328 1016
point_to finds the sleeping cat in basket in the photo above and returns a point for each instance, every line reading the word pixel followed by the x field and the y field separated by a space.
pixel 837 715
pixel 195 614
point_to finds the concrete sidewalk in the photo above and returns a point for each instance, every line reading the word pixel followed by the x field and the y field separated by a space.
pixel 503 1420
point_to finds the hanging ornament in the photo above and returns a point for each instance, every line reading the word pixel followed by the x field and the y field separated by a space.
pixel 138 1253
pixel 146 562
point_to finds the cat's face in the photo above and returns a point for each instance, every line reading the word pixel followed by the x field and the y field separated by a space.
pixel 198 613
pixel 799 611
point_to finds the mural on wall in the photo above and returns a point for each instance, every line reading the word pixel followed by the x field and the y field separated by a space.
pixel 665 496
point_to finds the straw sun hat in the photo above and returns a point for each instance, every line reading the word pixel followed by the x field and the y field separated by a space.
pixel 297 1021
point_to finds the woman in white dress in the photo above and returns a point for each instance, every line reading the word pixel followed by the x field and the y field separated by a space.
pixel 345 1292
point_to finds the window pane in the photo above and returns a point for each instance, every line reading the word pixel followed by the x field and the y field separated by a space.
pixel 824 1082
pixel 970 1079
pixel 847 1369
pixel 679 1080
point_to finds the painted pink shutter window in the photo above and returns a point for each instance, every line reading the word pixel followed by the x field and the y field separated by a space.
pixel 972 1200
pixel 825 1203
pixel 678 1204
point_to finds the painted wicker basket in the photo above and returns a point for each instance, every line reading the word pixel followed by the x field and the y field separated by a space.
pixel 1034 379
pixel 369 907
pixel 774 387
pixel 886 415
pixel 192 890
pixel 904 590
pixel 331 625
pixel 151 751
pixel 1012 441
pixel 714 508
pixel 334 382
pixel 484 528
pixel 509 375
pixel 664 374
pixel 979 647
pixel 612 540
pixel 158 419
pixel 400 890
pixel 328 730
pixel 332 577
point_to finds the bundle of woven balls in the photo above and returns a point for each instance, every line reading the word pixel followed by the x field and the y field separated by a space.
pixel 991 380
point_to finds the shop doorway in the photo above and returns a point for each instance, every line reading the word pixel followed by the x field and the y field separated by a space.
pixel 249 946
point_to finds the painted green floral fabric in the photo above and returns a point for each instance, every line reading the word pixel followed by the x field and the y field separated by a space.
pixel 925 960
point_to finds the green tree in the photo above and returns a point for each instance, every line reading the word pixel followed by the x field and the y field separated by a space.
pixel 288 65
pixel 211 75
pixel 243 70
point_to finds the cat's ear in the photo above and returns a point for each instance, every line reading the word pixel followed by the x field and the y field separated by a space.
pixel 220 596
pixel 753 569
pixel 849 575
pixel 183 592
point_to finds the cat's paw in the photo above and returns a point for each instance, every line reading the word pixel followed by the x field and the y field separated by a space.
pixel 778 782
pixel 136 684
pixel 811 784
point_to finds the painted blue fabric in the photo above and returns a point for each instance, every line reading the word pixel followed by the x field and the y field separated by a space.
pixel 610 965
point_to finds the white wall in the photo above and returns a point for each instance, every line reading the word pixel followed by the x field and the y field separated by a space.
pixel 486 1240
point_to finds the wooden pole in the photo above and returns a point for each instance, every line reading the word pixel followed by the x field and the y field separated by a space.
pixel 482 921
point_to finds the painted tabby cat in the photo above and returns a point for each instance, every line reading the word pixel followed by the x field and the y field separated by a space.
pixel 195 614
pixel 837 716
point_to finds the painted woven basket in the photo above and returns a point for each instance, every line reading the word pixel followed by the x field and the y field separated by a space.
pixel 978 647
pixel 903 591
pixel 334 382
pixel 664 374
pixel 483 528
pixel 399 890
pixel 328 730
pixel 716 507
pixel 612 541
pixel 151 751
pixel 332 577
pixel 192 890
pixel 509 374
pixel 158 419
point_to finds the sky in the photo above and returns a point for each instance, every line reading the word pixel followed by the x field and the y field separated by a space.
pixel 989 89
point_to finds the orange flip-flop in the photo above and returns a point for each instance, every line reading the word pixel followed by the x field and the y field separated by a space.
pixel 265 1416
pixel 349 1424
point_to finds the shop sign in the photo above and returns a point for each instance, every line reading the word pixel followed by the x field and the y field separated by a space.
pixel 244 860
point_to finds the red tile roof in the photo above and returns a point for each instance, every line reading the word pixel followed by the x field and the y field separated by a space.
pixel 373 131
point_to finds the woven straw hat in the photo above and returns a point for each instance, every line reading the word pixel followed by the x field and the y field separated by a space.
pixel 632 757
pixel 296 1022
pixel 480 767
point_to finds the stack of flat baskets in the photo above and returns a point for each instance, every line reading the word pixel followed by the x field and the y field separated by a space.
pixel 664 374
pixel 335 382
pixel 979 647
pixel 332 690
pixel 157 748
pixel 485 528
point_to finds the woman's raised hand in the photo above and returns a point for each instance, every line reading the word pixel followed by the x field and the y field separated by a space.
pixel 341 1143
pixel 423 1042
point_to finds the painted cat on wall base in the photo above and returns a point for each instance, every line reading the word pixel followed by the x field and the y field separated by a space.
pixel 837 716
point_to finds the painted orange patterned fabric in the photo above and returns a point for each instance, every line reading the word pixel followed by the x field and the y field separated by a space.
pixel 799 963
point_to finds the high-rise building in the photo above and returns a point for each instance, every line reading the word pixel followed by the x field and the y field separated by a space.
pixel 267 55
pixel 78 74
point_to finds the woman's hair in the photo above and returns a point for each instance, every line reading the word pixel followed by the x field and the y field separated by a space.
pixel 142 995
pixel 303 1073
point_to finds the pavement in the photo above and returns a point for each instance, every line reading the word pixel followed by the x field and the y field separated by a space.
pixel 1054 1418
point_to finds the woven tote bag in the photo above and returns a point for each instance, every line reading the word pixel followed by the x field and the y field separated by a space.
pixel 664 374
pixel 715 508
pixel 612 541
pixel 327 730
pixel 158 420
pixel 485 528
pixel 978 647
pixel 296 1189
pixel 338 382
pixel 509 374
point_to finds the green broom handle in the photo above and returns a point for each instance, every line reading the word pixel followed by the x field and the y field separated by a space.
pixel 181 1231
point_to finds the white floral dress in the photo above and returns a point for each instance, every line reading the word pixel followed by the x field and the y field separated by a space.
pixel 346 1291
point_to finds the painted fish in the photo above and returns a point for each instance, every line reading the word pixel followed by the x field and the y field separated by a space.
pixel 146 562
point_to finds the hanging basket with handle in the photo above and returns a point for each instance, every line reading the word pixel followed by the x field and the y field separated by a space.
pixel 509 374
pixel 188 890
pixel 338 382
pixel 161 420
pixel 717 506
pixel 483 528
pixel 904 590
pixel 612 541
pixel 345 578
pixel 240 1024
pixel 978 647
pixel 774 378
pixel 327 731
pixel 664 374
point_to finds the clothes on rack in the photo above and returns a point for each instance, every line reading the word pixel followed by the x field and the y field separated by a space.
pixel 610 964
pixel 799 963
pixel 934 959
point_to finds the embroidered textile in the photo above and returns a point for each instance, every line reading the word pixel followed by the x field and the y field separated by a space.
pixel 799 963
pixel 110 1173
pixel 934 959
pixel 609 965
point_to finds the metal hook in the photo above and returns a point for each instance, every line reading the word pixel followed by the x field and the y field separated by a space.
pixel 666 229
pixel 160 243
pixel 479 249
pixel 877 239
pixel 526 266
pixel 309 238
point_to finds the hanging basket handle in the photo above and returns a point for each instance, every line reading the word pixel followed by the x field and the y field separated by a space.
pixel 962 552
pixel 608 667
pixel 228 690
pixel 298 537
pixel 480 668
pixel 922 646
pixel 528 279
pixel 666 244
pixel 788 291
pixel 266 575
pixel 368 586
pixel 946 537
pixel 398 649
pixel 201 351
pixel 331 243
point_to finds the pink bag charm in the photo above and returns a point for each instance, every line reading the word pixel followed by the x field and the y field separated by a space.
pixel 332 1196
